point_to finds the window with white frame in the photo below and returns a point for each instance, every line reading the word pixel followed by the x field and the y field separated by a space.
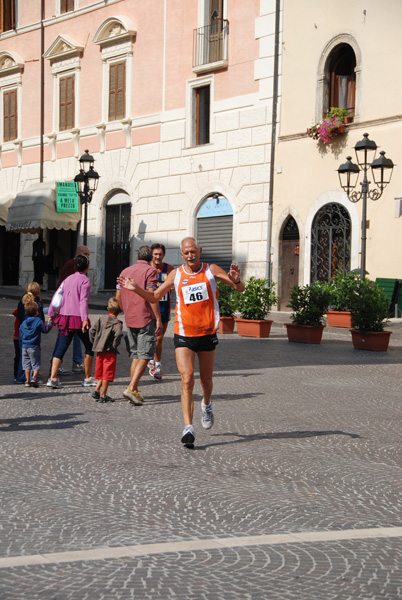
pixel 11 68
pixel 66 6
pixel 199 111
pixel 65 57
pixel 115 37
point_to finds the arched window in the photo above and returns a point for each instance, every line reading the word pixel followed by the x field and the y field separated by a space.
pixel 330 242
pixel 342 78
pixel 339 76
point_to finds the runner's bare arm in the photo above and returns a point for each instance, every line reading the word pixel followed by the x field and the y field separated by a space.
pixel 232 278
pixel 150 295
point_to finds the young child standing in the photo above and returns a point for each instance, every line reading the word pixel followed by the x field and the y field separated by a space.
pixel 30 336
pixel 105 336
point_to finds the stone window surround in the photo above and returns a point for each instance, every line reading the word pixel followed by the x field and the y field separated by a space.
pixel 322 83
pixel 115 37
pixel 191 85
pixel 11 67
pixel 58 7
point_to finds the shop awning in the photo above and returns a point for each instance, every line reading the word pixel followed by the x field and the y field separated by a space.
pixel 5 203
pixel 35 209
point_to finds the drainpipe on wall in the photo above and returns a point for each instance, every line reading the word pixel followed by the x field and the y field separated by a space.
pixel 273 138
pixel 42 87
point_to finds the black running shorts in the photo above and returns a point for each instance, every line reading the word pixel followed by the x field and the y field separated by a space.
pixel 202 343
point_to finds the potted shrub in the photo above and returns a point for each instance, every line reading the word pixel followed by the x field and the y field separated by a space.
pixel 254 305
pixel 370 308
pixel 227 307
pixel 309 304
pixel 342 288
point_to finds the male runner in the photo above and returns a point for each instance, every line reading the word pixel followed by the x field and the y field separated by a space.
pixel 163 269
pixel 197 318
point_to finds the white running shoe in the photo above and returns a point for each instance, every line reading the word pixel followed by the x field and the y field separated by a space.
pixel 207 417
pixel 188 436
pixel 151 367
pixel 90 382
pixel 158 372
pixel 53 383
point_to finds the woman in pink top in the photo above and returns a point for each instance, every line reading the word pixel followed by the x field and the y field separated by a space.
pixel 73 318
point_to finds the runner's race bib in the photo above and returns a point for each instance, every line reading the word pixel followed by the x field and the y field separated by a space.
pixel 195 293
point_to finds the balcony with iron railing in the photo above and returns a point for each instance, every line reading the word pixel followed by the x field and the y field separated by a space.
pixel 210 46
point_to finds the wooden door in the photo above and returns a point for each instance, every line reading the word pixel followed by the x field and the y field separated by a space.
pixel 289 270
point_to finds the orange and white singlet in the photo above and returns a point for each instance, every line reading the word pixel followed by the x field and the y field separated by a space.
pixel 197 309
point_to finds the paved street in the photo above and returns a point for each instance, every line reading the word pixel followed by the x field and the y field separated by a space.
pixel 295 494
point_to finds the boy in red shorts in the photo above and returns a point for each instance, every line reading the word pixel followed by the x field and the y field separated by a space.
pixel 105 336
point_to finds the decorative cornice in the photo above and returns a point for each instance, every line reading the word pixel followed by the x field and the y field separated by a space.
pixel 349 126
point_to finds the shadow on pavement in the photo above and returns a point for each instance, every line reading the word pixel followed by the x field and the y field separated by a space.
pixel 37 422
pixel 279 435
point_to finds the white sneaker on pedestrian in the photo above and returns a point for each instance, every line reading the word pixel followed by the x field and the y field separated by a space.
pixel 151 368
pixel 188 436
pixel 207 416
pixel 77 368
pixel 53 383
pixel 158 372
pixel 63 371
pixel 89 382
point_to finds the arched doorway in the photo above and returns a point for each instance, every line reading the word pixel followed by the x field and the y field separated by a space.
pixel 215 230
pixel 330 242
pixel 117 238
pixel 290 250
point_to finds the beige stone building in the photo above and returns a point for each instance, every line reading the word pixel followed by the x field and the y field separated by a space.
pixel 344 54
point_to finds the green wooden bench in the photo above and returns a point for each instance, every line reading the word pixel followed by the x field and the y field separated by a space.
pixel 393 291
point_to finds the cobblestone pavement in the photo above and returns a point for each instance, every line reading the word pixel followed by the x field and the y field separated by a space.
pixel 306 445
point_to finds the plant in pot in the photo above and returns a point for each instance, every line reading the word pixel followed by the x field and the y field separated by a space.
pixel 342 289
pixel 227 308
pixel 254 305
pixel 331 125
pixel 370 309
pixel 309 303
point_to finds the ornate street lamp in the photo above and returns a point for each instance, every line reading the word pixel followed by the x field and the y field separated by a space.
pixel 87 181
pixel 381 169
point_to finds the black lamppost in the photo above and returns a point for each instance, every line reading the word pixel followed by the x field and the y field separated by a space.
pixel 87 182
pixel 381 169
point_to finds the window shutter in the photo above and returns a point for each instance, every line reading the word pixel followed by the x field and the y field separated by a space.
pixel 66 103
pixel 117 84
pixel 66 6
pixel 10 115
pixel 7 15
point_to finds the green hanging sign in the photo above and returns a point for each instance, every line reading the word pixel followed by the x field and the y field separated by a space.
pixel 67 197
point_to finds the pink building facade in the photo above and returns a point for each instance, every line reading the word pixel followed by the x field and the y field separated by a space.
pixel 172 98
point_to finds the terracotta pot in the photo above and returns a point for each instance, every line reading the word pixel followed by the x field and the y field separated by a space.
pixel 373 340
pixel 249 328
pixel 341 128
pixel 339 318
pixel 305 334
pixel 226 325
